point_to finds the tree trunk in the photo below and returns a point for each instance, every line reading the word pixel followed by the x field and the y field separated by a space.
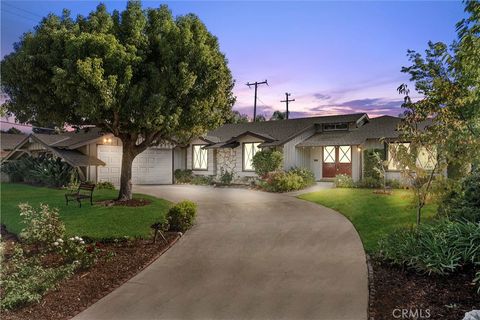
pixel 129 153
pixel 419 214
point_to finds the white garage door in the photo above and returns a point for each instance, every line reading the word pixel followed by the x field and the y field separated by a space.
pixel 153 166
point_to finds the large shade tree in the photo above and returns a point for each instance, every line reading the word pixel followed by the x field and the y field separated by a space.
pixel 143 75
pixel 448 78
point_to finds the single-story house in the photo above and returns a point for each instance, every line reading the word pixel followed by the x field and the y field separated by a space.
pixel 327 145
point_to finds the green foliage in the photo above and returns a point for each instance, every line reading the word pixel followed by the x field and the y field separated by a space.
pixel 43 170
pixel 183 176
pixel 237 117
pixel 370 161
pixel 74 250
pixel 226 177
pixel 42 227
pixel 105 185
pixel 463 202
pixel 282 181
pixel 368 182
pixel 140 74
pixel 25 280
pixel 202 180
pixel 308 178
pixel 344 181
pixel 439 248
pixel 181 216
pixel 265 161
pixel 393 183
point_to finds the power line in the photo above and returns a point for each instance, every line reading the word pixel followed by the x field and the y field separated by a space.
pixel 256 84
pixel 24 10
pixel 16 14
pixel 287 100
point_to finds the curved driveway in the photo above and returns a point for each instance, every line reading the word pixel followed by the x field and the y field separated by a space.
pixel 251 255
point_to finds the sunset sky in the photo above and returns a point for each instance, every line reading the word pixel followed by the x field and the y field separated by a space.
pixel 334 57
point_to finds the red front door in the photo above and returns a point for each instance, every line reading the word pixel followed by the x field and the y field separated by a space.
pixel 336 160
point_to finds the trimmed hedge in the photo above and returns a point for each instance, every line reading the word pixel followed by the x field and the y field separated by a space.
pixel 181 216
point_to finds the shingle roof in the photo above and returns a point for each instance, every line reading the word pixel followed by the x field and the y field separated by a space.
pixel 10 141
pixel 279 130
pixel 70 140
pixel 376 128
pixel 76 158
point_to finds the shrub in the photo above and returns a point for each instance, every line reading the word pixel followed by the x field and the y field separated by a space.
pixel 43 170
pixel 266 161
pixel 438 248
pixel 181 216
pixel 281 181
pixel 369 182
pixel 202 180
pixel 370 161
pixel 463 202
pixel 343 181
pixel 74 250
pixel 25 280
pixel 42 227
pixel 226 177
pixel 393 183
pixel 106 185
pixel 183 176
pixel 307 176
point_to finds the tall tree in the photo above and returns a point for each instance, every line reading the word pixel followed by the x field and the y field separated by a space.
pixel 448 78
pixel 237 117
pixel 278 115
pixel 142 75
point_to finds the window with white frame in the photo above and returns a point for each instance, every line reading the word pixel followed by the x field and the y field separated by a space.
pixel 200 157
pixel 393 164
pixel 329 154
pixel 344 154
pixel 427 158
pixel 249 150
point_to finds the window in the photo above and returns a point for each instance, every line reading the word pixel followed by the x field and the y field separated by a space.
pixel 392 147
pixel 249 150
pixel 345 154
pixel 335 126
pixel 427 158
pixel 200 157
pixel 329 154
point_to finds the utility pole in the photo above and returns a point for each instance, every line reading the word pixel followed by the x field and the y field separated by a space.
pixel 256 84
pixel 287 101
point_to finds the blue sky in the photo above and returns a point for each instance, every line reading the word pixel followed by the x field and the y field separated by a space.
pixel 334 57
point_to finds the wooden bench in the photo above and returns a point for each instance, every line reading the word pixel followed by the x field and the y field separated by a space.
pixel 85 191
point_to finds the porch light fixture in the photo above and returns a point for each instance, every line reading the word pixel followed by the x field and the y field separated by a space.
pixel 107 140
pixel 359 149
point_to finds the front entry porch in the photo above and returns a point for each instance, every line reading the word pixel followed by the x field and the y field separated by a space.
pixel 328 161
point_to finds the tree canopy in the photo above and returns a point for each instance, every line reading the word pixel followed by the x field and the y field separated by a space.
pixel 448 78
pixel 142 75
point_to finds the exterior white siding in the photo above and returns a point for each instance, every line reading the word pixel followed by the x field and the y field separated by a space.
pixel 356 165
pixel 297 157
pixel 316 162
pixel 179 158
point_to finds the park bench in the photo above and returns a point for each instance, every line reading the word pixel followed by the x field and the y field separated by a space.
pixel 84 191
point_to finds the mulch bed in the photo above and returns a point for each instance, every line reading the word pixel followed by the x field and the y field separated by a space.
pixel 446 298
pixel 137 202
pixel 117 263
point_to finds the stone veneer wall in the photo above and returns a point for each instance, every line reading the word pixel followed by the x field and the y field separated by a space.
pixel 227 160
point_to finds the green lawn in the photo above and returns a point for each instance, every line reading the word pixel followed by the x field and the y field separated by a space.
pixel 95 221
pixel 373 215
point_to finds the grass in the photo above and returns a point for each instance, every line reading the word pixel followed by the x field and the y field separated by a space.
pixel 96 222
pixel 373 215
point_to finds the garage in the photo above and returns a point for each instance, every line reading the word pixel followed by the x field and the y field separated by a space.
pixel 153 166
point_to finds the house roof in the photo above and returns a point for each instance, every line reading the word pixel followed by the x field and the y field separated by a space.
pixel 376 128
pixel 77 159
pixel 10 141
pixel 70 140
pixel 278 131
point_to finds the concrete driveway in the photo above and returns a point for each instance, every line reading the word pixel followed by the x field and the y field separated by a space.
pixel 251 255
